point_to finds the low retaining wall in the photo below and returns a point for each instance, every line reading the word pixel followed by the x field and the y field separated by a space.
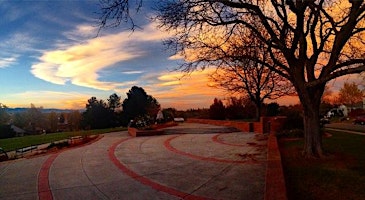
pixel 136 132
pixel 265 125
pixel 275 188
pixel 156 130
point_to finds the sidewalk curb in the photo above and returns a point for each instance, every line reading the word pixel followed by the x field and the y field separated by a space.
pixel 346 131
pixel 275 188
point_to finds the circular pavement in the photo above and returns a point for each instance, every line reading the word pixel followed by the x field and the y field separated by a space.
pixel 192 161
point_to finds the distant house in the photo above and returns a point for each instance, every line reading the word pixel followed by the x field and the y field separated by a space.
pixel 18 131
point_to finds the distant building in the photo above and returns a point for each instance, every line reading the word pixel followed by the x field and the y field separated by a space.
pixel 18 131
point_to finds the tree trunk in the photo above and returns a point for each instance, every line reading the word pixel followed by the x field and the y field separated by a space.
pixel 311 100
pixel 312 133
pixel 258 111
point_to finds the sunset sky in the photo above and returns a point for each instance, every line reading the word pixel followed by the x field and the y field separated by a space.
pixel 51 56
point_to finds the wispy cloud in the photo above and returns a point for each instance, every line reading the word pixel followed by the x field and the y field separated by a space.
pixel 81 64
pixel 13 47
pixel 132 72
pixel 19 42
pixel 7 61
pixel 82 32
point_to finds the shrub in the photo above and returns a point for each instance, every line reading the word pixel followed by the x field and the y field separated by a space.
pixel 141 122
pixel 293 133
pixel 6 132
pixel 294 118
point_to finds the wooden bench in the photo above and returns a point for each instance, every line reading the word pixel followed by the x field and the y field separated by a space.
pixel 23 150
pixel 75 139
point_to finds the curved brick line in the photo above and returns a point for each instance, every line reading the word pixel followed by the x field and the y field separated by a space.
pixel 145 180
pixel 44 191
pixel 217 140
pixel 168 146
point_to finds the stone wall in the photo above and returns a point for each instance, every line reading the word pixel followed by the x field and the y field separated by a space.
pixel 265 125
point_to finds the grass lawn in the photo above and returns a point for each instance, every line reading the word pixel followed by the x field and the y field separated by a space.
pixel 341 175
pixel 11 144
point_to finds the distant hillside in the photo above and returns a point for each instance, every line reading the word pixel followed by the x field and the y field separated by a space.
pixel 44 110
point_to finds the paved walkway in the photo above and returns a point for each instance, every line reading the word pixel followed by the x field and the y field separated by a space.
pixel 184 164
pixel 347 128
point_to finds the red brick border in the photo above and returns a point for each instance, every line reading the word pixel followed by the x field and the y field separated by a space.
pixel 275 188
pixel 217 140
pixel 44 191
pixel 145 180
pixel 211 159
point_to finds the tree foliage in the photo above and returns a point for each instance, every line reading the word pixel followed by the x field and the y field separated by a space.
pixel 272 109
pixel 52 121
pixel 4 115
pixel 114 102
pixel 139 104
pixel 350 94
pixel 217 110
pixel 36 119
pixel 74 120
pixel 97 114
pixel 6 131
pixel 240 108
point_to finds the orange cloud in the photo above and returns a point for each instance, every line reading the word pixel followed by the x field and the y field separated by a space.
pixel 176 89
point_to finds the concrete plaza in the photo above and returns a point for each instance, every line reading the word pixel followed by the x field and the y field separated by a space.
pixel 191 161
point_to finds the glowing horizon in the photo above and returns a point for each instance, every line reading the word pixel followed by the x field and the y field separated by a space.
pixel 54 58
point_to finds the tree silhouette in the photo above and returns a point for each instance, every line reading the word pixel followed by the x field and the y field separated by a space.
pixel 240 108
pixel 97 114
pixel 139 104
pixel 241 75
pixel 114 102
pixel 4 115
pixel 217 110
pixel 310 42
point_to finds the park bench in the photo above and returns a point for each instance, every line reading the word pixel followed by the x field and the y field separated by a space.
pixel 75 139
pixel 179 119
pixel 23 150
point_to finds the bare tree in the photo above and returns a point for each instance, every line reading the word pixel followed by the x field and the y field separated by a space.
pixel 242 75
pixel 310 42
